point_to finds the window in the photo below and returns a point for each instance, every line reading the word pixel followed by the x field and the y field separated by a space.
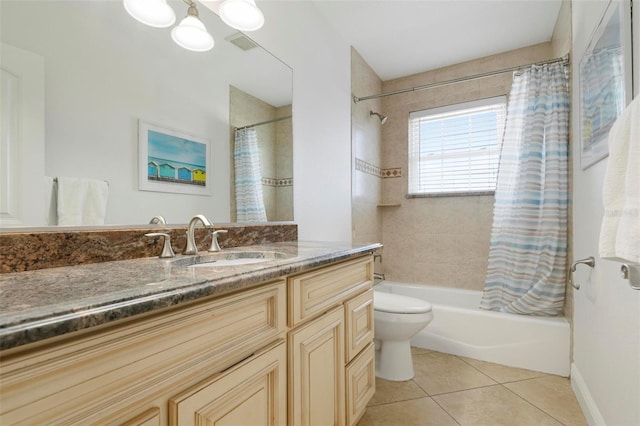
pixel 456 149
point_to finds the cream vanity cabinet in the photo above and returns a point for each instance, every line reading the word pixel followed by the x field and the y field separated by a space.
pixel 294 351
pixel 331 353
pixel 156 369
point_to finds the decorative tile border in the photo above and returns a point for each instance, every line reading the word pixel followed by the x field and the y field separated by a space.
pixel 371 169
pixel 277 182
pixel 392 173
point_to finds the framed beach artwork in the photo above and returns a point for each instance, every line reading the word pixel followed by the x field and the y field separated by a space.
pixel 604 81
pixel 173 161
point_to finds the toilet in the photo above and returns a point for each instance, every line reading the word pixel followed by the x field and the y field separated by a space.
pixel 397 319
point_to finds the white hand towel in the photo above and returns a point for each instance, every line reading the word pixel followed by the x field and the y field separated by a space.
pixel 620 231
pixel 82 201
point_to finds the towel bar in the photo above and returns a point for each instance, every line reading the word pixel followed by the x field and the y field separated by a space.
pixel 55 180
pixel 632 274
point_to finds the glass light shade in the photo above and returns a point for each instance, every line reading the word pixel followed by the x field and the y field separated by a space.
pixel 192 35
pixel 242 15
pixel 155 13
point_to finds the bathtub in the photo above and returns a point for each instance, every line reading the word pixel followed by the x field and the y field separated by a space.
pixel 459 327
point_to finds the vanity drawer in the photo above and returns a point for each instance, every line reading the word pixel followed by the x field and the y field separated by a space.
pixel 108 375
pixel 360 384
pixel 313 293
pixel 358 323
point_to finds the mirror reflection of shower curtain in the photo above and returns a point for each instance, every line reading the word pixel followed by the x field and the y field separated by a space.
pixel 248 175
pixel 528 252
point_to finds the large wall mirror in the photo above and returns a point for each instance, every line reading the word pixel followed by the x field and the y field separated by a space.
pixel 103 72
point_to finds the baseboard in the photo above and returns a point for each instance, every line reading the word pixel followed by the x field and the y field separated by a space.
pixel 587 404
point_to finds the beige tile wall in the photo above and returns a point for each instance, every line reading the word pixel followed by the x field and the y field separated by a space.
pixel 366 187
pixel 439 241
pixel 284 164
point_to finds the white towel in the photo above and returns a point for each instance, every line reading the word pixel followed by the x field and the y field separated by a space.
pixel 620 231
pixel 82 201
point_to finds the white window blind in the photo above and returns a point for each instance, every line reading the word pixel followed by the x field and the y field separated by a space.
pixel 456 149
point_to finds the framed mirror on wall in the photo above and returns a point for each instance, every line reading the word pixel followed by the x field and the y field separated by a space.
pixel 605 80
pixel 104 72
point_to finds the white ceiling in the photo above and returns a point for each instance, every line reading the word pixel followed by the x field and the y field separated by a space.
pixel 399 37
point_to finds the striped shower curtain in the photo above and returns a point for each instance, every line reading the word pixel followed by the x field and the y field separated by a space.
pixel 248 174
pixel 528 252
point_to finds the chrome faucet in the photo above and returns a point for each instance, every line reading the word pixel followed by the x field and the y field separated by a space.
pixel 191 247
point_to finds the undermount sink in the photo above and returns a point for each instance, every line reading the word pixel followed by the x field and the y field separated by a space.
pixel 230 258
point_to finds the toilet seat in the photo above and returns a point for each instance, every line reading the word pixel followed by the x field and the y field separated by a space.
pixel 398 304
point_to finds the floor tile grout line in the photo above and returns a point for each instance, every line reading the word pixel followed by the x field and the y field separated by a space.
pixel 446 411
pixel 539 373
pixel 477 369
pixel 495 382
pixel 420 387
pixel 466 389
pixel 399 400
pixel 534 405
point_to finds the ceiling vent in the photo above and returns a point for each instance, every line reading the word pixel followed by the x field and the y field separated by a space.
pixel 241 41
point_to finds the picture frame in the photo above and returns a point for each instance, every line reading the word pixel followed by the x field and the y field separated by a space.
pixel 173 161
pixel 604 81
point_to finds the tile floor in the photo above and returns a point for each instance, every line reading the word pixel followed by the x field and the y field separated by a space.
pixel 453 390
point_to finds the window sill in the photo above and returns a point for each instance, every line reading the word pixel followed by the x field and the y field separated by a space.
pixel 451 194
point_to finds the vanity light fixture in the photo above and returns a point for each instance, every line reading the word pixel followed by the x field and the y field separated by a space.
pixel 242 15
pixel 191 33
pixel 155 13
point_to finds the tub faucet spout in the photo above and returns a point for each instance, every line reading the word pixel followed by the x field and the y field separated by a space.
pixel 191 247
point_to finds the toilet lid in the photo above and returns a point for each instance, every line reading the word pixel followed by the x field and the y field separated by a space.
pixel 398 304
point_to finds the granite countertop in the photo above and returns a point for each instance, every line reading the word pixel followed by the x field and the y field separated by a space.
pixel 45 303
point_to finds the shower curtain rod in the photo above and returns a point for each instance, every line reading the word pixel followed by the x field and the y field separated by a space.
pixel 564 59
pixel 263 122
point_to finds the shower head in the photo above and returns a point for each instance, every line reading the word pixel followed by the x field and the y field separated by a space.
pixel 383 118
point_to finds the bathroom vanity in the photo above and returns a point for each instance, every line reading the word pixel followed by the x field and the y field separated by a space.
pixel 284 340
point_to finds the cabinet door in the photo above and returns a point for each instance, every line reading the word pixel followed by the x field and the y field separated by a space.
pixel 358 323
pixel 316 372
pixel 253 392
pixel 361 383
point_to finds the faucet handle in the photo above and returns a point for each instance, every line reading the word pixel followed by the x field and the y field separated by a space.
pixel 167 251
pixel 214 240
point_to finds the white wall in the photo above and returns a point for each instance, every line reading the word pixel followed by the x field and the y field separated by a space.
pixel 606 364
pixel 297 33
